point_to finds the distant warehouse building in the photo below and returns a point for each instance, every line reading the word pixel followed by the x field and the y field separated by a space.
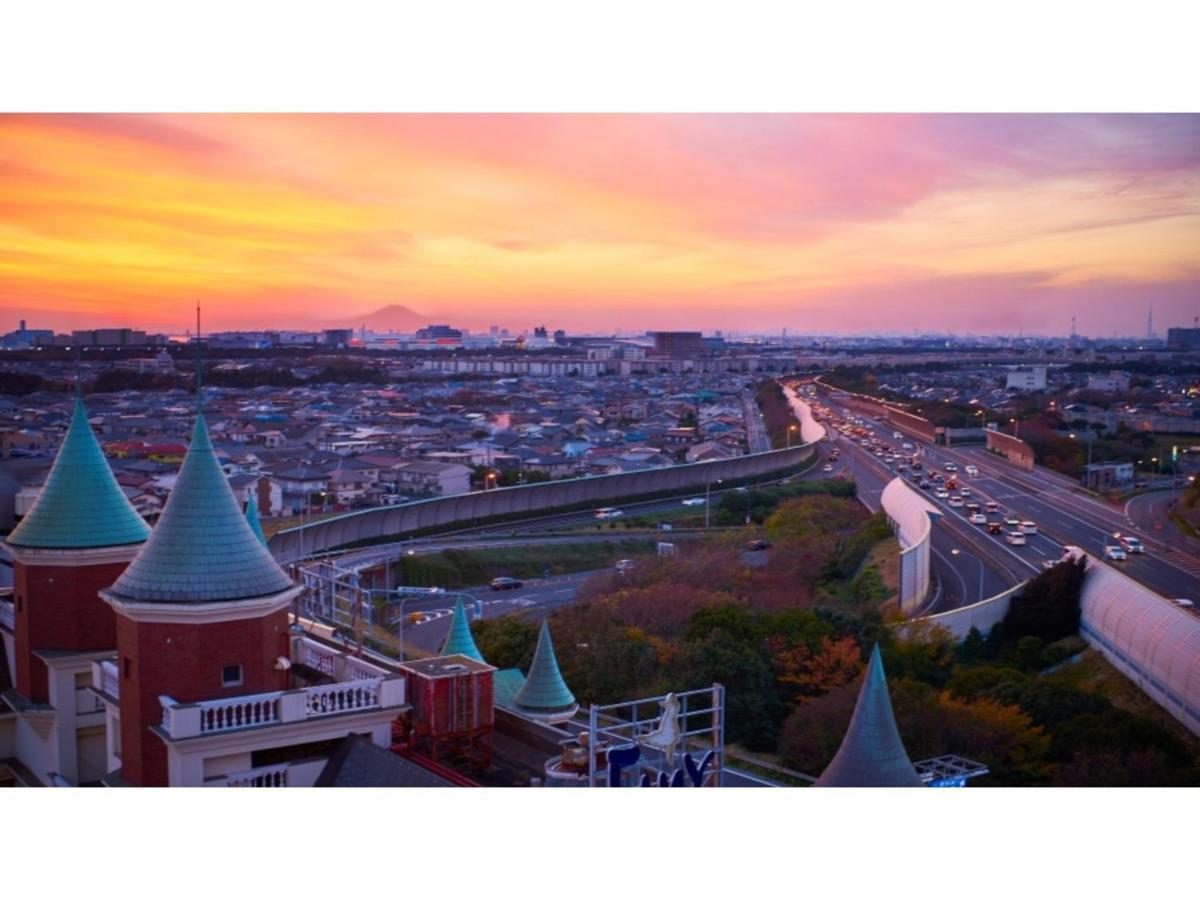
pixel 678 343
pixel 1183 338
pixel 1031 379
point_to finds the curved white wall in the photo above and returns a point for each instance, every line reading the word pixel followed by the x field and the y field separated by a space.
pixel 1144 635
pixel 912 516
pixel 982 615
pixel 811 430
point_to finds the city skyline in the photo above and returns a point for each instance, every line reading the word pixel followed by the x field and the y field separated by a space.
pixel 836 224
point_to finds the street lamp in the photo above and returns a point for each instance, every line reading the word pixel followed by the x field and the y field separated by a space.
pixel 707 489
pixel 954 551
pixel 490 478
pixel 1089 443
pixel 1016 428
pixel 791 428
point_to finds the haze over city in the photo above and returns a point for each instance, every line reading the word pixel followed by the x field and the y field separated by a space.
pixel 829 223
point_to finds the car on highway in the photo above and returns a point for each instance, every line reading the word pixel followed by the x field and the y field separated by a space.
pixel 828 467
pixel 694 501
pixel 995 528
pixel 992 506
pixel 972 470
pixel 955 500
pixel 415 617
pixel 906 446
pixel 1050 564
pixel 1028 527
pixel 950 467
pixel 608 512
pixel 1016 538
pixel 977 518
pixel 1184 604
pixel 1130 544
pixel 924 484
pixel 1115 552
pixel 504 583
pixel 941 493
pixel 964 490
pixel 1012 523
pixel 758 544
pixel 624 565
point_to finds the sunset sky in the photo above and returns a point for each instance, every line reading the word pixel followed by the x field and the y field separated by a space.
pixel 741 222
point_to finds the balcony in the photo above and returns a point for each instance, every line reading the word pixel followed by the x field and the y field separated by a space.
pixel 337 665
pixel 208 717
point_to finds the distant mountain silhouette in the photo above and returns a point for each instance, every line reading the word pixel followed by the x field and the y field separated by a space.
pixel 388 318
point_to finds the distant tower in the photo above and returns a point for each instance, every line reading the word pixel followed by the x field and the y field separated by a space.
pixel 1150 324
pixel 1074 333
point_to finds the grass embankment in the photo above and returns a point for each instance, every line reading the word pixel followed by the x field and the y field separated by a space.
pixel 462 568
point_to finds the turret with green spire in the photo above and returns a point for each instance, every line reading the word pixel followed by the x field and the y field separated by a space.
pixel 81 506
pixel 459 640
pixel 545 695
pixel 203 549
pixel 871 754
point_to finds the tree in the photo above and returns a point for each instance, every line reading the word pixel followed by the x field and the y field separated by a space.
pixel 1048 606
pixel 507 642
pixel 805 673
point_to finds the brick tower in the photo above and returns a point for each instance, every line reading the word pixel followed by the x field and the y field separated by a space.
pixel 201 612
pixel 78 538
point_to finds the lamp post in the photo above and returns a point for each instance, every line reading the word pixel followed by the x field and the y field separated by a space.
pixel 489 479
pixel 954 551
pixel 791 428
pixel 707 505
pixel 1073 437
pixel 1016 428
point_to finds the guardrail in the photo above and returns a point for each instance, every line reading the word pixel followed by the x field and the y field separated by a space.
pixel 187 720
pixel 425 516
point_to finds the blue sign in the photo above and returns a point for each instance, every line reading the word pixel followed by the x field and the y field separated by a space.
pixel 623 758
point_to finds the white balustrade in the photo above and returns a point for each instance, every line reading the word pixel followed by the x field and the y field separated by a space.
pixel 263 776
pixel 239 712
pixel 329 699
pixel 320 658
pixel 8 616
pixel 360 670
pixel 110 683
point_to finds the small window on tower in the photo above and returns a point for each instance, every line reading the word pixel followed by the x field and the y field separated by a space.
pixel 127 666
pixel 231 676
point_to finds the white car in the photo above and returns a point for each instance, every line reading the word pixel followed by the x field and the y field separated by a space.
pixel 608 512
pixel 955 500
pixel 1115 553
pixel 972 470
pixel 978 519
pixel 694 501
pixel 1015 538
pixel 1184 604
pixel 1028 527
pixel 906 446
pixel 1131 544
pixel 941 493
pixel 965 491
pixel 827 468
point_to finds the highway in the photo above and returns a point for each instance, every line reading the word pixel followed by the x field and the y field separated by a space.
pixel 1064 514
pixel 960 578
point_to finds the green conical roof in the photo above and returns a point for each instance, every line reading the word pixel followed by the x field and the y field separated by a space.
pixel 459 640
pixel 202 549
pixel 81 505
pixel 252 518
pixel 871 754
pixel 544 689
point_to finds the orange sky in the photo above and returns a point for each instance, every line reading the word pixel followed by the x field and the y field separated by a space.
pixel 814 223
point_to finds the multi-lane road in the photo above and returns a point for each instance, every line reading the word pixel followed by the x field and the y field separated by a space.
pixel 1064 515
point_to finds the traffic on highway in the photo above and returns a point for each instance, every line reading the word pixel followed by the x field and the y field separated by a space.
pixel 1020 517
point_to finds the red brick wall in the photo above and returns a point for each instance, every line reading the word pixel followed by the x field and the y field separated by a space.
pixel 60 608
pixel 184 662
